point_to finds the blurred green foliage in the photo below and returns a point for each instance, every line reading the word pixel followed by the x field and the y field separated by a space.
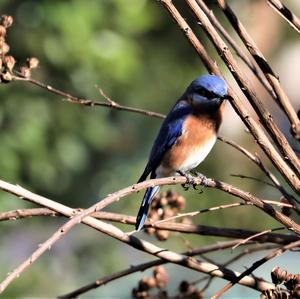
pixel 76 154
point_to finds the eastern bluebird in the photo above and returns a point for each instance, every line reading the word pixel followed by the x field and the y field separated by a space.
pixel 186 136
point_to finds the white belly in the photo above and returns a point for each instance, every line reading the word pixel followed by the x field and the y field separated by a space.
pixel 198 154
pixel 195 155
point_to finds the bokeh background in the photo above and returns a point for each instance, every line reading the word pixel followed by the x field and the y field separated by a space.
pixel 76 155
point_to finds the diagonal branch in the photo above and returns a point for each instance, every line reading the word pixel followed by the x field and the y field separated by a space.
pixel 257 264
pixel 142 267
pixel 264 115
pixel 281 97
pixel 283 11
pixel 244 114
pixel 239 52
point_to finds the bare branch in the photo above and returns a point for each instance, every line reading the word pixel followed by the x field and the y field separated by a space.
pixel 264 115
pixel 236 47
pixel 283 11
pixel 175 227
pixel 257 264
pixel 83 101
pixel 118 234
pixel 282 98
pixel 142 267
pixel 251 124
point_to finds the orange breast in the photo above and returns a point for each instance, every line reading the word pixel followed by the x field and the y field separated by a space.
pixel 198 136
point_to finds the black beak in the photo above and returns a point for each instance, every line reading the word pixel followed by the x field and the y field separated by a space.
pixel 227 97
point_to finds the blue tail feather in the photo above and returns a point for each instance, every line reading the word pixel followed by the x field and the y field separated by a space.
pixel 143 211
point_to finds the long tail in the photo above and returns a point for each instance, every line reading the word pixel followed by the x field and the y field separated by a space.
pixel 143 211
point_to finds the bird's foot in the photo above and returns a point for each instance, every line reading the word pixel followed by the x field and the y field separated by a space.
pixel 204 179
pixel 190 181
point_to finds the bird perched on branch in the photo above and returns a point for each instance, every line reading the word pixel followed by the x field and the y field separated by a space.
pixel 186 136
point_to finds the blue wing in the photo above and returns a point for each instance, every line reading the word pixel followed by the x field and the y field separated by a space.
pixel 170 130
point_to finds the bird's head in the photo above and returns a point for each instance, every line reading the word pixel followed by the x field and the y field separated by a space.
pixel 206 91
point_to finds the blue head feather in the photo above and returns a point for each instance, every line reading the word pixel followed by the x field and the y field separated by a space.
pixel 210 83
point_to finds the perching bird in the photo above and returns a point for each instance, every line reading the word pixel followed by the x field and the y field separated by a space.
pixel 186 136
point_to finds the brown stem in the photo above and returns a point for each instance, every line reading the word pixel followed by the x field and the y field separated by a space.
pixel 283 11
pixel 257 264
pixel 244 114
pixel 264 115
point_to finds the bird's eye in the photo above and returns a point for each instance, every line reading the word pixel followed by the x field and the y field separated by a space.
pixel 206 93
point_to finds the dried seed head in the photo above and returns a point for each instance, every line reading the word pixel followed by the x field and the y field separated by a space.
pixel 6 20
pixel 161 276
pixel 25 71
pixel 2 31
pixel 6 77
pixel 9 61
pixel 4 48
pixel 32 62
pixel 180 202
pixel 143 284
pixel 296 291
pixel 168 212
pixel 184 286
pixel 162 235
pixel 275 275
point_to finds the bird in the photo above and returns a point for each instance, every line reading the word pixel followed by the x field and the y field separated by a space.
pixel 186 136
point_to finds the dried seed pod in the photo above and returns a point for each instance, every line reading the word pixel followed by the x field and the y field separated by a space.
pixel 6 20
pixel 143 284
pixel 6 77
pixel 139 294
pixel 161 276
pixel 9 61
pixel 184 286
pixel 290 282
pixel 275 275
pixel 180 202
pixel 168 212
pixel 162 235
pixel 25 71
pixel 32 62
pixel 2 31
pixel 4 48
pixel 296 291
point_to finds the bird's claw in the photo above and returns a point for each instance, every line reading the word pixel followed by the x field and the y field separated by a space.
pixel 190 181
pixel 204 179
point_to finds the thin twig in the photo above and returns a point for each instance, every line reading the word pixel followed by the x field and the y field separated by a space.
pixel 84 101
pixel 256 159
pixel 257 235
pixel 283 11
pixel 242 176
pixel 236 47
pixel 174 227
pixel 242 254
pixel 257 264
pixel 281 97
pixel 142 267
pixel 240 109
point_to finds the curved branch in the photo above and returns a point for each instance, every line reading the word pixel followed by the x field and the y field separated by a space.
pixel 116 233
pixel 142 267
